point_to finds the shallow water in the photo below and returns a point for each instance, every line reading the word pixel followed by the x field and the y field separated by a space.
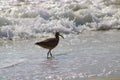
pixel 77 57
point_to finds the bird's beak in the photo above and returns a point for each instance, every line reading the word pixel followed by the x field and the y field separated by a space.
pixel 61 36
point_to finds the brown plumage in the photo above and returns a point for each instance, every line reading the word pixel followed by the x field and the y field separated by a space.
pixel 50 43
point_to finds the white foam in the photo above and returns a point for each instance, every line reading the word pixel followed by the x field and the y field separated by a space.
pixel 4 21
pixel 26 19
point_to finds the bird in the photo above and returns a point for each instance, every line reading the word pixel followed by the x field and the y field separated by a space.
pixel 50 43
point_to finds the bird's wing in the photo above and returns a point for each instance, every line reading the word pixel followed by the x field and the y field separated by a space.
pixel 49 42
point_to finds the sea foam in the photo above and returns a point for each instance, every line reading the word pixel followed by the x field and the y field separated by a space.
pixel 27 19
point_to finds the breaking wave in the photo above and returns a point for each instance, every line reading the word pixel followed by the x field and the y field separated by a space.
pixel 28 19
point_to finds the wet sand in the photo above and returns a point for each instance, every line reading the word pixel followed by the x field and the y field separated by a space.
pixel 85 56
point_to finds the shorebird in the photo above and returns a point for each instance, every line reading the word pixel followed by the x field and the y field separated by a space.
pixel 50 43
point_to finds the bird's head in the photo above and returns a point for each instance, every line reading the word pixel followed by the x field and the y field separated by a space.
pixel 57 34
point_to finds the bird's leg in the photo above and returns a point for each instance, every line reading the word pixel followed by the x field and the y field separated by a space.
pixel 48 53
pixel 51 54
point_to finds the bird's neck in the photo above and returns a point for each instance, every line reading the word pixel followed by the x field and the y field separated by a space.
pixel 57 37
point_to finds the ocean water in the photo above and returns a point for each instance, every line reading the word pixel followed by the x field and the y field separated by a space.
pixel 89 56
pixel 90 50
